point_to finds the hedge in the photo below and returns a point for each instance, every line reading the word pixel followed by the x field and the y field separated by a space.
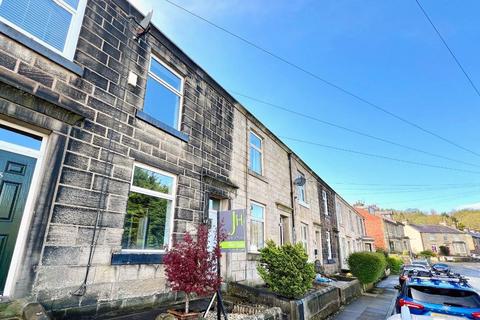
pixel 368 267
pixel 285 269
pixel 394 264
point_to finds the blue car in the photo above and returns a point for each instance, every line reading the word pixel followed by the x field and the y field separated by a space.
pixel 436 296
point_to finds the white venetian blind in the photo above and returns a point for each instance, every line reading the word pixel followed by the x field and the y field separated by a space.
pixel 46 20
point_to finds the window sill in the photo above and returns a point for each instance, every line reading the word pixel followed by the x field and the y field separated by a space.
pixel 40 49
pixel 123 258
pixel 162 126
pixel 257 175
pixel 303 204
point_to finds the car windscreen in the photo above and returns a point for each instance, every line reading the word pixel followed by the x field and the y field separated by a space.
pixel 446 297
pixel 423 263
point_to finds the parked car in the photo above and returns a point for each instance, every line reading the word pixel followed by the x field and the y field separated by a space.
pixel 436 296
pixel 406 270
pixel 405 314
pixel 423 262
pixel 441 267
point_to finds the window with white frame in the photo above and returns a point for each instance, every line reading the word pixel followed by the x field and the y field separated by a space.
pixel 329 245
pixel 301 191
pixel 163 94
pixel 53 23
pixel 339 213
pixel 325 202
pixel 304 235
pixel 149 209
pixel 257 223
pixel 256 153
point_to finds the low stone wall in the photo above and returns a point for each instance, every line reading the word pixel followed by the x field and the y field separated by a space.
pixel 348 290
pixel 274 313
pixel 315 305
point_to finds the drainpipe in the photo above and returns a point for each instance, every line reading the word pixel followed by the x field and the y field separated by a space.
pixel 292 197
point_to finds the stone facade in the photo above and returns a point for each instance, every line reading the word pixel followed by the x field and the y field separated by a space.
pixel 94 139
pixel 352 234
pixel 90 114
pixel 431 237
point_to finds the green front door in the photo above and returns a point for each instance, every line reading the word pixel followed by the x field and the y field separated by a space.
pixel 15 176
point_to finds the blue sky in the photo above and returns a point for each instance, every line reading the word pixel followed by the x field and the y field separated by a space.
pixel 384 51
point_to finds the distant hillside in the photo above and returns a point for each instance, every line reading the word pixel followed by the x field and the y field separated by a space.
pixel 464 218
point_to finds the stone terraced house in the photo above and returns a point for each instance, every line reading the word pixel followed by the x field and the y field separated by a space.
pixel 352 231
pixel 112 146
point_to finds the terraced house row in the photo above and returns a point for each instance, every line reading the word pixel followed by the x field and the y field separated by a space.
pixel 114 143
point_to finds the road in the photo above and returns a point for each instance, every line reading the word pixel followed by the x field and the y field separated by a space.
pixel 471 270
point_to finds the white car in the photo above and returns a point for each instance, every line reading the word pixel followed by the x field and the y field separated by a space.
pixel 405 315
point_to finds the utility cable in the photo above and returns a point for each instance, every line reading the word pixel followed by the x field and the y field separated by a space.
pixel 437 31
pixel 357 132
pixel 325 81
pixel 373 155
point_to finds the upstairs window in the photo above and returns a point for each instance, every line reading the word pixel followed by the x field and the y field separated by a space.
pixel 53 23
pixel 164 94
pixel 256 153
pixel 301 192
pixel 149 210
pixel 325 202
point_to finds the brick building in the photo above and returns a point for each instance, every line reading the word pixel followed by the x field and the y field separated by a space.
pixel 374 227
pixel 112 148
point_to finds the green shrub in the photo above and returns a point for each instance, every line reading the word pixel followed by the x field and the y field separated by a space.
pixel 368 267
pixel 427 253
pixel 394 264
pixel 382 251
pixel 285 269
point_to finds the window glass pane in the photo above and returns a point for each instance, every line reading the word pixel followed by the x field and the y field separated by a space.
pixel 257 212
pixel 255 160
pixel 19 138
pixel 256 238
pixel 72 3
pixel 151 180
pixel 146 222
pixel 214 204
pixel 161 103
pixel 166 75
pixel 44 19
pixel 256 141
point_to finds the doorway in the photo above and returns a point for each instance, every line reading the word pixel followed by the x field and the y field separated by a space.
pixel 20 155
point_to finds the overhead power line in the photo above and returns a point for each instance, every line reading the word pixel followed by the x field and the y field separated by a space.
pixel 457 61
pixel 325 81
pixel 390 192
pixel 354 131
pixel 379 156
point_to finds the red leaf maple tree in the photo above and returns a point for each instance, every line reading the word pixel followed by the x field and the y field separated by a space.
pixel 192 268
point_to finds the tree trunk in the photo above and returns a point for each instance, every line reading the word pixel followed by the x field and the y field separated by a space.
pixel 187 303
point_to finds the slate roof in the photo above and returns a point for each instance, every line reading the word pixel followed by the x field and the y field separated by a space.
pixel 434 228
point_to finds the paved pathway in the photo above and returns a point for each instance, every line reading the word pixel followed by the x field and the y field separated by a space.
pixel 371 306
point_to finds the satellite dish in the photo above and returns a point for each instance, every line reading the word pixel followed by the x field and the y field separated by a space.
pixel 300 181
pixel 144 25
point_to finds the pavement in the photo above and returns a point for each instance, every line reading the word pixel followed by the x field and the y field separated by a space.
pixel 374 305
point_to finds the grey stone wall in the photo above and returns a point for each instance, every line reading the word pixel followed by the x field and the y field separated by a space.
pixel 102 141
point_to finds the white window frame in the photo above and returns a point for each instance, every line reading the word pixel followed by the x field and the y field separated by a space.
pixel 260 150
pixel 304 241
pixel 73 33
pixel 20 244
pixel 179 93
pixel 157 194
pixel 325 202
pixel 258 220
pixel 329 245
pixel 302 190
